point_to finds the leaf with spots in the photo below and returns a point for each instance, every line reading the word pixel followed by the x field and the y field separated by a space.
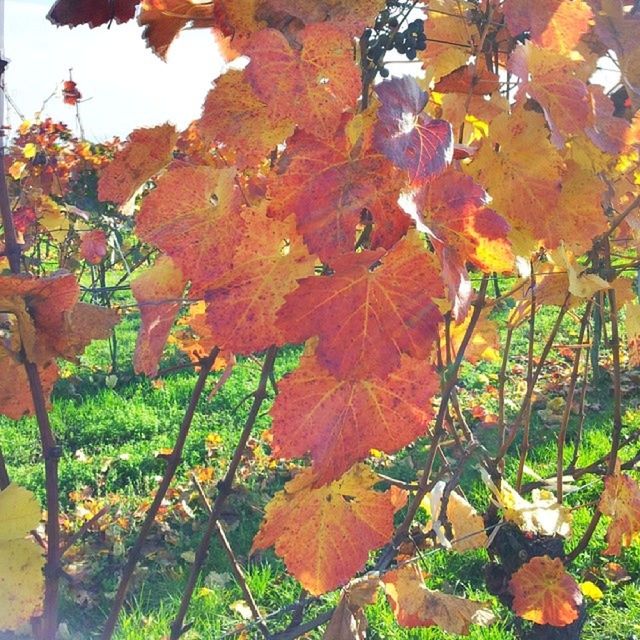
pixel 340 420
pixel 311 87
pixel 373 307
pixel 325 534
pixel 146 152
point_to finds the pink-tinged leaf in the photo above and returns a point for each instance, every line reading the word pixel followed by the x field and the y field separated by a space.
pixel 93 246
pixel 407 136
pixel 157 292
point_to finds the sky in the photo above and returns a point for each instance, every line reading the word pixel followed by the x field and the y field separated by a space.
pixel 124 85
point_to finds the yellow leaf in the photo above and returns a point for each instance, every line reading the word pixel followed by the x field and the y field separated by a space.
pixel 29 150
pixel 591 590
pixel 16 169
pixel 21 562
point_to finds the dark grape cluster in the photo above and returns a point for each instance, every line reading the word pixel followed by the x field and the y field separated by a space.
pixel 391 32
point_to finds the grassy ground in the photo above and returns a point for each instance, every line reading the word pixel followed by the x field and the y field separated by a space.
pixel 113 440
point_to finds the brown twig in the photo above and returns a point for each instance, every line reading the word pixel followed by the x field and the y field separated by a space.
pixel 172 465
pixel 5 480
pixel 233 561
pixel 224 490
pixel 77 536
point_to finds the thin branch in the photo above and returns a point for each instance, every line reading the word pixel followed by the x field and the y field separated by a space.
pixel 5 480
pixel 172 465
pixel 224 490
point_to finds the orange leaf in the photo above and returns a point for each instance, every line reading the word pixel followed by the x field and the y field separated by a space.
pixel 414 605
pixel 234 117
pixel 325 534
pixel 266 263
pixel 340 421
pixel 374 307
pixel 158 292
pixel 553 24
pixel 621 501
pixel 633 333
pixel 164 19
pixel 192 216
pixel 323 76
pixel 545 593
pixel 147 151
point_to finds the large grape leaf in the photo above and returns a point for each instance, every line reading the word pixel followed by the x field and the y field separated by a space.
pixel 339 421
pixel 553 81
pixel 350 16
pixel 15 394
pixel 147 152
pixel 266 263
pixel 414 605
pixel 157 292
pixel 325 534
pixel 408 136
pixel 71 13
pixel 372 308
pixel 544 593
pixel 522 171
pixel 21 560
pixel 164 19
pixel 192 216
pixel 329 183
pixel 312 86
pixel 557 25
pixel 234 118
pixel 621 501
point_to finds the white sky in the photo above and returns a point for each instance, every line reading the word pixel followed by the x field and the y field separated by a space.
pixel 127 84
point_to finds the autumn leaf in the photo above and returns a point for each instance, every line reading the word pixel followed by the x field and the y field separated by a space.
pixel 474 79
pixel 484 343
pixel 266 264
pixel 339 421
pixel 146 152
pixel 234 118
pixel 348 621
pixel 544 593
pixel 408 136
pixel 621 501
pixel 555 25
pixel 158 292
pixel 633 333
pixel 191 216
pixel 350 16
pixel 325 534
pixel 21 560
pixel 49 320
pixel 16 400
pixel 414 605
pixel 335 186
pixel 71 13
pixel 371 309
pixel 322 76
pixel 93 246
pixel 164 19
pixel 553 81
pixel 522 172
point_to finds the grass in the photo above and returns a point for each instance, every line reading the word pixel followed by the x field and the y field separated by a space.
pixel 113 439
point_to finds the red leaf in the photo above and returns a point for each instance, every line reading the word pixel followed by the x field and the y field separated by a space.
pixel 374 307
pixel 72 13
pixel 93 246
pixel 340 421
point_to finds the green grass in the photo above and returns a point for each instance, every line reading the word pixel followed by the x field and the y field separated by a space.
pixel 110 440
